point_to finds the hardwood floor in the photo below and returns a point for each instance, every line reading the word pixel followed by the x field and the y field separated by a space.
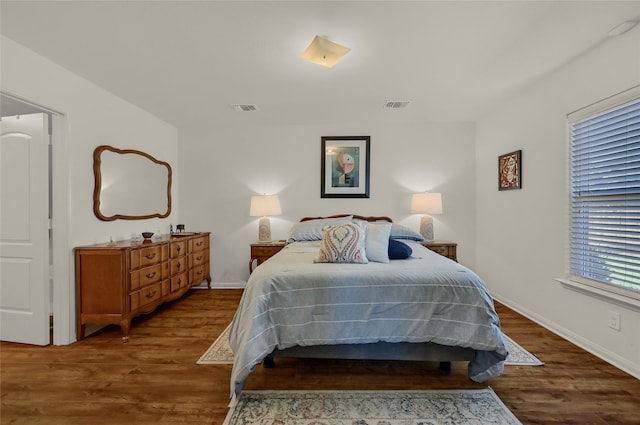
pixel 154 378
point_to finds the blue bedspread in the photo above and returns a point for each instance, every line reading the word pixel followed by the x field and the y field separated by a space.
pixel 290 300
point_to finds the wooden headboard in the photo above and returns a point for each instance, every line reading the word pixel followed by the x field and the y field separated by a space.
pixel 359 217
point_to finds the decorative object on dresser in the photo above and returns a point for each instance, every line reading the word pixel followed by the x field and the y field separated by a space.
pixel 444 248
pixel 118 281
pixel 426 203
pixel 345 167
pixel 264 206
pixel 262 251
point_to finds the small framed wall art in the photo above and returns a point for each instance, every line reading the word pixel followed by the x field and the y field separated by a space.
pixel 510 171
pixel 345 167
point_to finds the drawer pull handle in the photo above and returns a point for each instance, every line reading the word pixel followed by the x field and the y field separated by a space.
pixel 179 281
pixel 178 248
pixel 150 256
pixel 151 294
pixel 150 275
pixel 199 258
pixel 179 265
pixel 199 243
pixel 199 272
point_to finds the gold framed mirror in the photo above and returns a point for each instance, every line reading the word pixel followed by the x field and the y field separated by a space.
pixel 130 185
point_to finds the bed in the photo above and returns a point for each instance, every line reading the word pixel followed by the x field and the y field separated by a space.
pixel 320 298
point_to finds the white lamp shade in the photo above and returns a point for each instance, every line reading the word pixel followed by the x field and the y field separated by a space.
pixel 426 203
pixel 325 52
pixel 264 205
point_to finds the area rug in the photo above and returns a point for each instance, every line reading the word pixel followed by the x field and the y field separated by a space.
pixel 370 408
pixel 220 353
pixel 518 356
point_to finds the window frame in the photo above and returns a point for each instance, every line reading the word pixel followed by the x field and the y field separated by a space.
pixel 599 289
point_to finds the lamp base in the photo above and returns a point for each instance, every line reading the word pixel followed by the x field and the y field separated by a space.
pixel 426 228
pixel 264 230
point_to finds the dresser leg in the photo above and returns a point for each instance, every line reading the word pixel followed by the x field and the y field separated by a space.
pixel 80 331
pixel 125 326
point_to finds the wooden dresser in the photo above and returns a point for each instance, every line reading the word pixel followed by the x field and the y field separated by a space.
pixel 116 282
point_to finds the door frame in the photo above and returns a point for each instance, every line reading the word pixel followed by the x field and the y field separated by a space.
pixel 63 305
pixel 64 310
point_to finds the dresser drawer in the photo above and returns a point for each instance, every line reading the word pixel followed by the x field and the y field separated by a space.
pixel 179 281
pixel 265 251
pixel 444 248
pixel 146 276
pixel 197 275
pixel 178 265
pixel 146 295
pixel 197 259
pixel 178 248
pixel 145 256
pixel 198 244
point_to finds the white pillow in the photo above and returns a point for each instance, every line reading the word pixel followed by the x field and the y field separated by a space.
pixel 311 230
pixel 343 243
pixel 377 242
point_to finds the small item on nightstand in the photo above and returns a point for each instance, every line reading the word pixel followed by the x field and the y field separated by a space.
pixel 180 228
pixel 147 235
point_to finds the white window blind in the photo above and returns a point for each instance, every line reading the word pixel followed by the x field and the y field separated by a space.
pixel 605 196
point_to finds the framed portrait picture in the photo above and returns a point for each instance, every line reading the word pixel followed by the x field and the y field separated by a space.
pixel 510 171
pixel 345 167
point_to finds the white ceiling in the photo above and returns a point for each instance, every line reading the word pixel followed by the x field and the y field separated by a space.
pixel 188 61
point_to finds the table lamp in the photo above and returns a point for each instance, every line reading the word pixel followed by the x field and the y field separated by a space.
pixel 426 203
pixel 264 206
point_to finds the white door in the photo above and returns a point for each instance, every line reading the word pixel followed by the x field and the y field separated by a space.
pixel 24 229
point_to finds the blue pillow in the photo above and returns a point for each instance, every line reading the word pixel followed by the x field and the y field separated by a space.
pixel 399 250
pixel 399 231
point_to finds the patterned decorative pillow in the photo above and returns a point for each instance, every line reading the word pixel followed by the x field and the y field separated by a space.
pixel 343 243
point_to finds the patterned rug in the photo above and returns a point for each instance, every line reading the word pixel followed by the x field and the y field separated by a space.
pixel 220 353
pixel 370 408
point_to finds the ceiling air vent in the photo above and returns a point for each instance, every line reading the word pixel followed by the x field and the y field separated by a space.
pixel 395 104
pixel 244 108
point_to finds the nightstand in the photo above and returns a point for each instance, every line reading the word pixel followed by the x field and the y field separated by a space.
pixel 262 251
pixel 444 248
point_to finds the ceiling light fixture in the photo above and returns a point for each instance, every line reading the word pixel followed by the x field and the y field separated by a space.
pixel 622 28
pixel 325 52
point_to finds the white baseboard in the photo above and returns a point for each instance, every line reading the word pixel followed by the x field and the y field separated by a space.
pixel 595 349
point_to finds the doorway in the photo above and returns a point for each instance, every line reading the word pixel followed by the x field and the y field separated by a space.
pixel 55 296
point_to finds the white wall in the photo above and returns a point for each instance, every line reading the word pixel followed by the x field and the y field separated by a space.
pixel 92 117
pixel 522 235
pixel 222 169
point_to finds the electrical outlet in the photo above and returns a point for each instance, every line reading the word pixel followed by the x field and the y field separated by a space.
pixel 614 320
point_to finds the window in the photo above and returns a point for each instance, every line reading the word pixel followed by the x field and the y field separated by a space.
pixel 605 193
